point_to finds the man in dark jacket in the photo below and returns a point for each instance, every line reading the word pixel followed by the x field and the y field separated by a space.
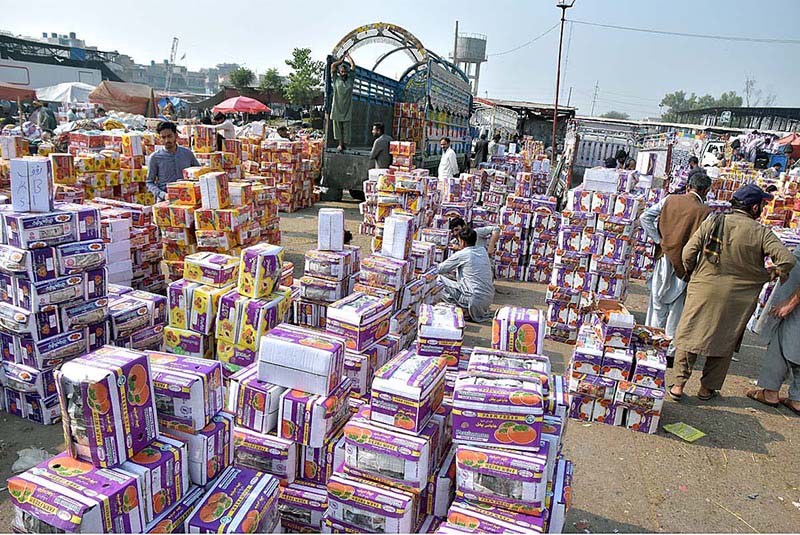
pixel 380 148
pixel 481 150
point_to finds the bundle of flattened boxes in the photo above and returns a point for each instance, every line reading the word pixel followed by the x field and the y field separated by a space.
pixel 120 474
pixel 616 375
pixel 594 249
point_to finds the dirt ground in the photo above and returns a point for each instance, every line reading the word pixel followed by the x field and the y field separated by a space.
pixel 742 477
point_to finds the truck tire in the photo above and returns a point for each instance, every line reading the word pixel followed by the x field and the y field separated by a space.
pixel 332 194
pixel 357 194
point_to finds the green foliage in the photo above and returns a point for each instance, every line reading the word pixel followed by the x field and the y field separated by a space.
pixel 305 80
pixel 272 83
pixel 678 102
pixel 613 114
pixel 241 78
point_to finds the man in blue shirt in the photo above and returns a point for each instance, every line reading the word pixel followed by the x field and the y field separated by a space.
pixel 167 164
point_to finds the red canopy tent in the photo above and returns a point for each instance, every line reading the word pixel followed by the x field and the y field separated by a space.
pixel 793 140
pixel 14 92
pixel 242 105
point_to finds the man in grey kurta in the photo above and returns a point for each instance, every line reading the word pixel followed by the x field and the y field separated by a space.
pixel 166 165
pixel 473 289
pixel 380 156
pixel 342 104
pixel 779 327
pixel 724 286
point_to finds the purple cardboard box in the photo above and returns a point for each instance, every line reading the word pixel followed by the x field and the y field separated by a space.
pixel 210 268
pixel 95 500
pixel 581 407
pixel 296 357
pixel 43 411
pixel 360 319
pixel 639 397
pixel 617 364
pixel 592 386
pixel 318 289
pixel 33 231
pixel 585 361
pixel 173 520
pixel 464 516
pixel 309 418
pixel 254 403
pixel 52 351
pixel 241 500
pixel 387 273
pixel 188 390
pixel 108 405
pixel 29 380
pixel 497 361
pixel 371 507
pixel 302 505
pixel 318 464
pixel 33 296
pixel 390 456
pixel 81 256
pixel 408 390
pixel 513 480
pixel 335 265
pixel 496 410
pixel 650 367
pixel 265 453
pixel 260 269
pixel 440 332
pixel 36 264
pixel 162 469
pixel 520 330
pixel 608 412
pixel 210 449
pixel 642 421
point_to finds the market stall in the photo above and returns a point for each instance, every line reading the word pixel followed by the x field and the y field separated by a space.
pixel 125 97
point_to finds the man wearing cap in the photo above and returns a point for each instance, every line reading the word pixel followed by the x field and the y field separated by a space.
pixel 670 223
pixel 725 259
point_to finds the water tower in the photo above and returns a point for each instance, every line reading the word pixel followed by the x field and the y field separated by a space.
pixel 470 53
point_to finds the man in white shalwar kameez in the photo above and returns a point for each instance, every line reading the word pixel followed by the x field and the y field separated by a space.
pixel 670 223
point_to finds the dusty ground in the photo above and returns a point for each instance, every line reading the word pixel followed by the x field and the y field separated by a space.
pixel 744 476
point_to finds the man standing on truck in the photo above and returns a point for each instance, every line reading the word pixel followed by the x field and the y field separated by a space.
pixel 448 165
pixel 380 156
pixel 342 104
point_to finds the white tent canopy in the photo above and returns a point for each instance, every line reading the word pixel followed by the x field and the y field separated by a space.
pixel 68 92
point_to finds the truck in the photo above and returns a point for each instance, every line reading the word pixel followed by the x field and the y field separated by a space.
pixel 430 100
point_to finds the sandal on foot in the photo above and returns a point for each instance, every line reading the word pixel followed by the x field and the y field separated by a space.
pixel 757 394
pixel 675 397
pixel 712 395
pixel 786 402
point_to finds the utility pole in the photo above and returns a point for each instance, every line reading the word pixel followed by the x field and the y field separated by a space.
pixel 455 47
pixel 564 5
pixel 594 98
pixel 569 96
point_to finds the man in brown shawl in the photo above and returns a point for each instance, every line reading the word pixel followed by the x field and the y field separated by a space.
pixel 725 258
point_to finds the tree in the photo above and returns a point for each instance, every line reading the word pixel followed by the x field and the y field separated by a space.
pixel 678 102
pixel 241 78
pixel 305 80
pixel 272 84
pixel 613 114
pixel 753 96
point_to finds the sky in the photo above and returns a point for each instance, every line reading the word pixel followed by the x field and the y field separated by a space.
pixel 632 71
